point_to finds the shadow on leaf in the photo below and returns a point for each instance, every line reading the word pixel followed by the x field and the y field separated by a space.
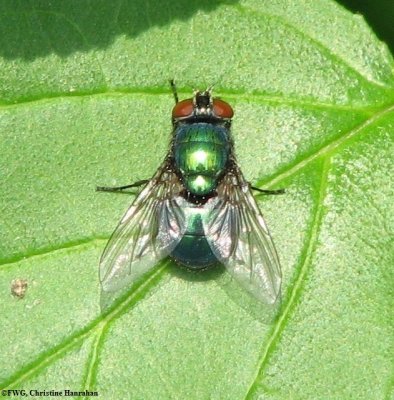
pixel 34 29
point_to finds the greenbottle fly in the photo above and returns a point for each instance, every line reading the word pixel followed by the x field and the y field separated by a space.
pixel 197 208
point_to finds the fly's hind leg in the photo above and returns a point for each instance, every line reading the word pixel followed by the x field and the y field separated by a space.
pixel 121 188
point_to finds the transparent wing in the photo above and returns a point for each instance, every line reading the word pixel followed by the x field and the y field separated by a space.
pixel 239 238
pixel 149 231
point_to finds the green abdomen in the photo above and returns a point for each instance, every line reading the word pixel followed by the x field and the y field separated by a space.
pixel 201 152
pixel 193 250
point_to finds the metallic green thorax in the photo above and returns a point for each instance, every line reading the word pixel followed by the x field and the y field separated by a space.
pixel 201 151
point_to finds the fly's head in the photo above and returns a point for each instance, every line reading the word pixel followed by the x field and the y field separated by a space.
pixel 202 107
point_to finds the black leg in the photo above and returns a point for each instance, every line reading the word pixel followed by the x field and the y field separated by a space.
pixel 174 91
pixel 265 191
pixel 120 188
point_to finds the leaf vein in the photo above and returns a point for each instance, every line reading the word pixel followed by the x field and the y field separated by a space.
pixel 329 149
pixel 44 251
pixel 319 45
pixel 91 363
pixel 57 352
pixel 296 291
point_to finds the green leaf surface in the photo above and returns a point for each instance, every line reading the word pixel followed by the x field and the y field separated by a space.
pixel 85 101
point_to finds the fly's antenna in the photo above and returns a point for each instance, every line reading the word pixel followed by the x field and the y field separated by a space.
pixel 210 88
pixel 218 79
pixel 174 90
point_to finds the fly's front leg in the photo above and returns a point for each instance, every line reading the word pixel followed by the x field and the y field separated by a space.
pixel 120 188
pixel 174 91
pixel 265 191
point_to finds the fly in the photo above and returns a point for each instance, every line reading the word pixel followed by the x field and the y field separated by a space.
pixel 197 208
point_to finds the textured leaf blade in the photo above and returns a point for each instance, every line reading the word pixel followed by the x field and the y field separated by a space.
pixel 85 102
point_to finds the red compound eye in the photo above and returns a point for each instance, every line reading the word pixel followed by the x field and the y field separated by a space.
pixel 222 109
pixel 183 109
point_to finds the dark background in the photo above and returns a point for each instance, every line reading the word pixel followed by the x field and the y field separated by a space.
pixel 379 15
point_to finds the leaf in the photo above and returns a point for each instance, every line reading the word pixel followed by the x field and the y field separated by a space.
pixel 85 102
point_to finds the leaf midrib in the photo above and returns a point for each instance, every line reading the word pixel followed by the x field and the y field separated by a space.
pixel 259 97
